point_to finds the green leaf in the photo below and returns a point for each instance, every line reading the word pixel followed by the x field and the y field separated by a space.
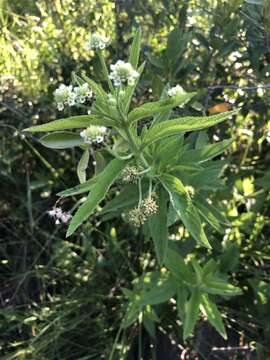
pixel 177 266
pixel 97 89
pixel 182 203
pixel 82 166
pixel 213 315
pixel 79 189
pixel 191 312
pixel 176 126
pixel 220 287
pixel 182 295
pixel 61 140
pixel 130 89
pixel 98 192
pixel 174 44
pixel 209 213
pixel 135 49
pixel 205 153
pixel 153 108
pixel 158 227
pixel 73 122
pixel 162 290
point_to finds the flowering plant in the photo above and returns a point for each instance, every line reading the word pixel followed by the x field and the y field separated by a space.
pixel 165 174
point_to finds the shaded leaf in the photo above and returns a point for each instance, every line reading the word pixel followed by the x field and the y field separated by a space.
pixel 61 140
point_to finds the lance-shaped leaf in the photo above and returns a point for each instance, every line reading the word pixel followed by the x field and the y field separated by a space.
pixel 210 310
pixel 162 291
pixel 191 312
pixel 79 189
pixel 177 266
pixel 73 122
pixel 220 287
pixel 153 108
pixel 183 205
pixel 130 90
pixel 97 89
pixel 205 153
pixel 82 166
pixel 184 124
pixel 97 194
pixel 210 213
pixel 158 227
pixel 135 49
pixel 61 140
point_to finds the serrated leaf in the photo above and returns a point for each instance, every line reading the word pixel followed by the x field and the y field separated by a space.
pixel 191 312
pixel 183 205
pixel 73 122
pixel 153 108
pixel 180 125
pixel 158 227
pixel 97 194
pixel 82 166
pixel 213 315
pixel 135 49
pixel 61 140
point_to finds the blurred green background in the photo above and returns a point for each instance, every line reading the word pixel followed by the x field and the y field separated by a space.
pixel 62 299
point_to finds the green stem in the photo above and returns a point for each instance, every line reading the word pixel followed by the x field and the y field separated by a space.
pixel 105 70
pixel 115 343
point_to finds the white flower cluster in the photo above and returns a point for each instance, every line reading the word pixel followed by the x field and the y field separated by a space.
pixel 59 215
pixel 98 42
pixel 175 91
pixel 93 134
pixel 69 96
pixel 123 73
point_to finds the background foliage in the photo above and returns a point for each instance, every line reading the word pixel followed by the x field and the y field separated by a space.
pixel 62 299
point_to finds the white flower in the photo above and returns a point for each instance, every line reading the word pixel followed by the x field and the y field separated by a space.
pixel 82 93
pixel 59 215
pixel 175 91
pixel 63 96
pixel 97 41
pixel 123 73
pixel 93 134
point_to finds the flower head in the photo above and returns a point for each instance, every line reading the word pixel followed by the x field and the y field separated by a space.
pixel 123 73
pixel 130 174
pixel 59 215
pixel 136 217
pixel 175 91
pixel 63 96
pixel 148 207
pixel 98 42
pixel 82 93
pixel 94 134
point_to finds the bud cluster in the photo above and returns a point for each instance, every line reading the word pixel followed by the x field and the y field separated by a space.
pixel 138 216
pixel 123 73
pixel 94 134
pixel 190 190
pixel 69 96
pixel 175 91
pixel 97 42
pixel 59 215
